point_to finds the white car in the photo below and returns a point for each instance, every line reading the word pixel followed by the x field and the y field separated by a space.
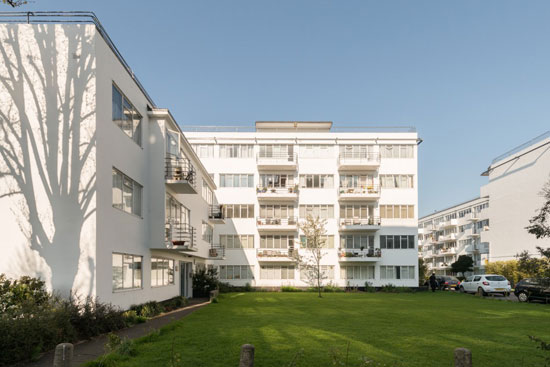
pixel 486 284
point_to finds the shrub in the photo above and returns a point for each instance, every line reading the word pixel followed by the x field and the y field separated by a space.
pixel 331 288
pixel 204 281
pixel 390 288
pixel 174 303
pixel 369 288
pixel 289 288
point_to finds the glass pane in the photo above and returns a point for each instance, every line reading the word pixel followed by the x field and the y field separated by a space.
pixel 117 106
pixel 117 189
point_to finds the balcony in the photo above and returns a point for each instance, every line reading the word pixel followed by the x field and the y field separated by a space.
pixel 365 255
pixel 180 175
pixel 448 224
pixel 448 238
pixel 472 217
pixel 276 255
pixel 289 224
pixel 216 252
pixel 282 161
pixel 288 193
pixel 181 236
pixel 448 251
pixel 365 193
pixel 360 224
pixel 355 161
pixel 215 214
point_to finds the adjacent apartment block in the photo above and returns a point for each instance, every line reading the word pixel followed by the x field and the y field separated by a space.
pixel 100 192
pixel 269 179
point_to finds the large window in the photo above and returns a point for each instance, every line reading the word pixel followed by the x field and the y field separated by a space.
pixel 356 151
pixel 397 241
pixel 396 181
pixel 236 151
pixel 316 151
pixel 162 272
pixel 317 181
pixel 126 271
pixel 310 273
pixel 397 272
pixel 276 151
pixel 276 180
pixel 234 241
pixel 323 211
pixel 276 241
pixel 276 211
pixel 175 212
pixel 357 241
pixel 397 211
pixel 356 181
pixel 238 210
pixel 126 193
pixel 277 272
pixel 327 241
pixel 235 272
pixel 397 151
pixel 204 150
pixel 236 180
pixel 356 211
pixel 357 272
pixel 126 116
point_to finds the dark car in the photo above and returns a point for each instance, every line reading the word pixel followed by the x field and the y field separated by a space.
pixel 445 282
pixel 533 289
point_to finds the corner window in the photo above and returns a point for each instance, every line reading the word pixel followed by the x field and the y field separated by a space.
pixel 162 272
pixel 125 116
pixel 126 271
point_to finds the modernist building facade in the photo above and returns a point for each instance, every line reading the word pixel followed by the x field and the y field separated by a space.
pixel 364 184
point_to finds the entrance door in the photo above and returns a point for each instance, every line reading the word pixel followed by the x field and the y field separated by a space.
pixel 184 280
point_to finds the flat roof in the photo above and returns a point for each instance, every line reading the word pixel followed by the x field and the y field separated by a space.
pixel 333 129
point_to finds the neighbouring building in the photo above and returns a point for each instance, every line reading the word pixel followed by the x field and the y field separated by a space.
pixel 363 182
pixel 493 226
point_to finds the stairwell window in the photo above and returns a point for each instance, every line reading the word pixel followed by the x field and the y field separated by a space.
pixel 238 210
pixel 236 180
pixel 397 151
pixel 126 193
pixel 317 181
pixel 125 116
pixel 162 272
pixel 236 272
pixel 126 271
pixel 234 241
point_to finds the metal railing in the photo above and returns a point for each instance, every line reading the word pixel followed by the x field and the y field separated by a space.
pixel 290 221
pixel 370 221
pixel 276 158
pixel 180 169
pixel 181 234
pixel 290 189
pixel 367 189
pixel 216 251
pixel 290 253
pixel 359 157
pixel 215 212
pixel 369 252
pixel 244 128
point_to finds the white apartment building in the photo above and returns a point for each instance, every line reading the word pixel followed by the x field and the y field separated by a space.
pixel 100 193
pixel 459 230
pixel 364 184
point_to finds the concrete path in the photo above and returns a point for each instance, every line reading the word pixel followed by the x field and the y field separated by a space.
pixel 91 349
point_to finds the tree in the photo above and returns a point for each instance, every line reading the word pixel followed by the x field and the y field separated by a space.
pixel 422 271
pixel 463 264
pixel 314 234
pixel 532 267
pixel 14 3
pixel 539 225
pixel 508 269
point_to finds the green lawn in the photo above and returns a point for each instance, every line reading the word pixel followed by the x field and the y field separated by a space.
pixel 419 329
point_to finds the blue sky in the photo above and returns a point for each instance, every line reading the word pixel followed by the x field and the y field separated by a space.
pixel 472 76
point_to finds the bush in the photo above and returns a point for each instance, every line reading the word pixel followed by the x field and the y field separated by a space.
pixel 331 288
pixel 390 288
pixel 174 303
pixel 227 288
pixel 204 281
pixel 369 288
pixel 289 288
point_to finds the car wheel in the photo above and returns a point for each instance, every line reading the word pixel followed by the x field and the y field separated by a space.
pixel 523 297
pixel 461 289
pixel 481 292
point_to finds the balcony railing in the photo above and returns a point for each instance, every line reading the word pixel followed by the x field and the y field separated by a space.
pixel 215 213
pixel 368 192
pixel 180 172
pixel 290 221
pixel 181 235
pixel 289 192
pixel 357 254
pixel 370 221
pixel 277 159
pixel 216 252
pixel 359 159
pixel 277 254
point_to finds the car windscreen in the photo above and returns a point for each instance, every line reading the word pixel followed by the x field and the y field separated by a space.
pixel 495 278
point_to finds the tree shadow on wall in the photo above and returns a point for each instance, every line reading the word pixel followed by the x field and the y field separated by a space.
pixel 47 144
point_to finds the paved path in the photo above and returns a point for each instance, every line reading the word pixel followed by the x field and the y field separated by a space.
pixel 91 349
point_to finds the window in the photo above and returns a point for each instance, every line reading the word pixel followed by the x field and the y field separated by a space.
pixel 175 212
pixel 126 271
pixel 397 272
pixel 397 242
pixel 126 193
pixel 204 150
pixel 236 272
pixel 356 181
pixel 207 232
pixel 236 180
pixel 276 241
pixel 356 151
pixel 317 181
pixel 162 272
pixel 322 211
pixel 357 241
pixel 233 241
pixel 238 210
pixel 276 180
pixel 310 273
pixel 277 151
pixel 357 272
pixel 326 240
pixel 316 151
pixel 356 211
pixel 397 151
pixel 207 194
pixel 276 211
pixel 396 181
pixel 236 151
pixel 397 211
pixel 277 272
pixel 125 116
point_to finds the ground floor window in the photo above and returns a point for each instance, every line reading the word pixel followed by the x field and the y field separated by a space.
pixel 230 272
pixel 162 272
pixel 276 272
pixel 126 271
pixel 357 272
pixel 397 272
pixel 309 273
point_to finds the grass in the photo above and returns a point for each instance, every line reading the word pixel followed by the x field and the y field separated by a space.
pixel 411 329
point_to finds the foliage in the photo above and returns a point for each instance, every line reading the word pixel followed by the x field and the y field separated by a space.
pixel 369 288
pixel 227 288
pixel 289 288
pixel 14 3
pixel 544 346
pixel 314 231
pixel 463 264
pixel 539 224
pixel 204 281
pixel 390 288
pixel 331 288
pixel 422 271
pixel 508 269
pixel 532 267
pixel 16 296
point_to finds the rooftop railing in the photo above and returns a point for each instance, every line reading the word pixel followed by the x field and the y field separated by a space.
pixel 252 129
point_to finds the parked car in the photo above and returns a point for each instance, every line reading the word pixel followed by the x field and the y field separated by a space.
pixel 533 289
pixel 444 282
pixel 486 284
